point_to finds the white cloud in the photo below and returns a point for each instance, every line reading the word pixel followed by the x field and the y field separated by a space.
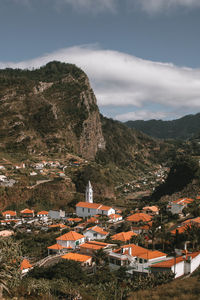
pixel 119 79
pixel 153 6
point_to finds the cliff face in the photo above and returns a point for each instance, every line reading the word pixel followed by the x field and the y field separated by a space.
pixel 52 109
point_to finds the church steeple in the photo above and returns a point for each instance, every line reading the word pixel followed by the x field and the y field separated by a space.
pixel 89 193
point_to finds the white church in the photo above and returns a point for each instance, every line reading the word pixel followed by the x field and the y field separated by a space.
pixel 89 209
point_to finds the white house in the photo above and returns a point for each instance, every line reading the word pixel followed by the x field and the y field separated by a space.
pixel 56 214
pixel 43 215
pixel 138 259
pixel 180 266
pixel 9 214
pixel 71 239
pixel 85 209
pixel 95 233
pixel 25 266
pixel 113 218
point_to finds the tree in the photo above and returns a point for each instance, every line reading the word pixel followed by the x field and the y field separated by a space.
pixel 10 260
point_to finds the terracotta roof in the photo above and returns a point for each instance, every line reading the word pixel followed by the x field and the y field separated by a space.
pixel 114 216
pixel 91 246
pixel 9 212
pixel 76 257
pixel 58 225
pixel 70 236
pixel 123 236
pixel 92 220
pixel 139 217
pixel 43 212
pixel 183 201
pixel 88 205
pixel 56 247
pixel 27 211
pixel 151 254
pixel 93 205
pixel 74 219
pixel 168 263
pixel 181 229
pixel 98 230
pixel 25 264
pixel 152 208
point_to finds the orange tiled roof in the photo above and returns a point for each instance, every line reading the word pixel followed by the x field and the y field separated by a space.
pixel 43 212
pixel 93 205
pixel 114 216
pixel 139 217
pixel 27 211
pixel 91 246
pixel 92 220
pixel 183 201
pixel 70 236
pixel 169 263
pixel 9 212
pixel 74 219
pixel 151 254
pixel 181 229
pixel 25 264
pixel 123 236
pixel 58 225
pixel 76 257
pixel 152 208
pixel 98 230
pixel 56 247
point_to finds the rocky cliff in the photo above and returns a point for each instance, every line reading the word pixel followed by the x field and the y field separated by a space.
pixel 49 110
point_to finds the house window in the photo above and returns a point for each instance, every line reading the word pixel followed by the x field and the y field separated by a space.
pixel 82 209
pixel 89 210
pixel 95 234
pixel 140 260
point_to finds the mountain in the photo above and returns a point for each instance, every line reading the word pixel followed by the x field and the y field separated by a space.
pixel 51 109
pixel 51 113
pixel 183 128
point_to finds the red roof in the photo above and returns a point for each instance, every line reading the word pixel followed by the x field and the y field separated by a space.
pixel 183 201
pixel 25 264
pixel 169 263
pixel 76 257
pixel 9 212
pixel 123 236
pixel 27 211
pixel 98 230
pixel 70 236
pixel 139 217
pixel 56 247
pixel 93 205
pixel 43 212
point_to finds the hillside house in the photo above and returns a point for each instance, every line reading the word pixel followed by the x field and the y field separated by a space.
pixel 113 218
pixel 136 258
pixel 57 249
pixel 95 233
pixel 91 247
pixel 85 260
pixel 27 213
pixel 177 206
pixel 25 266
pixel 151 210
pixel 43 215
pixel 86 209
pixel 56 214
pixel 123 236
pixel 9 214
pixel 140 222
pixel 70 240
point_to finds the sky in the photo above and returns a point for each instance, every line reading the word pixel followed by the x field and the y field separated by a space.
pixel 142 56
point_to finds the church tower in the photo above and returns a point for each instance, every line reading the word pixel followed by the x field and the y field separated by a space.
pixel 89 193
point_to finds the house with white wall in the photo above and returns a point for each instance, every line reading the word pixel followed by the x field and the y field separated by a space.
pixel 95 233
pixel 136 258
pixel 9 214
pixel 70 240
pixel 86 209
pixel 43 215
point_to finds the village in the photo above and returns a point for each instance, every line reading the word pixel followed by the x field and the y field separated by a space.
pixel 146 241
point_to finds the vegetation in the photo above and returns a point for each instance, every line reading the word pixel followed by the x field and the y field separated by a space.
pixel 183 128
